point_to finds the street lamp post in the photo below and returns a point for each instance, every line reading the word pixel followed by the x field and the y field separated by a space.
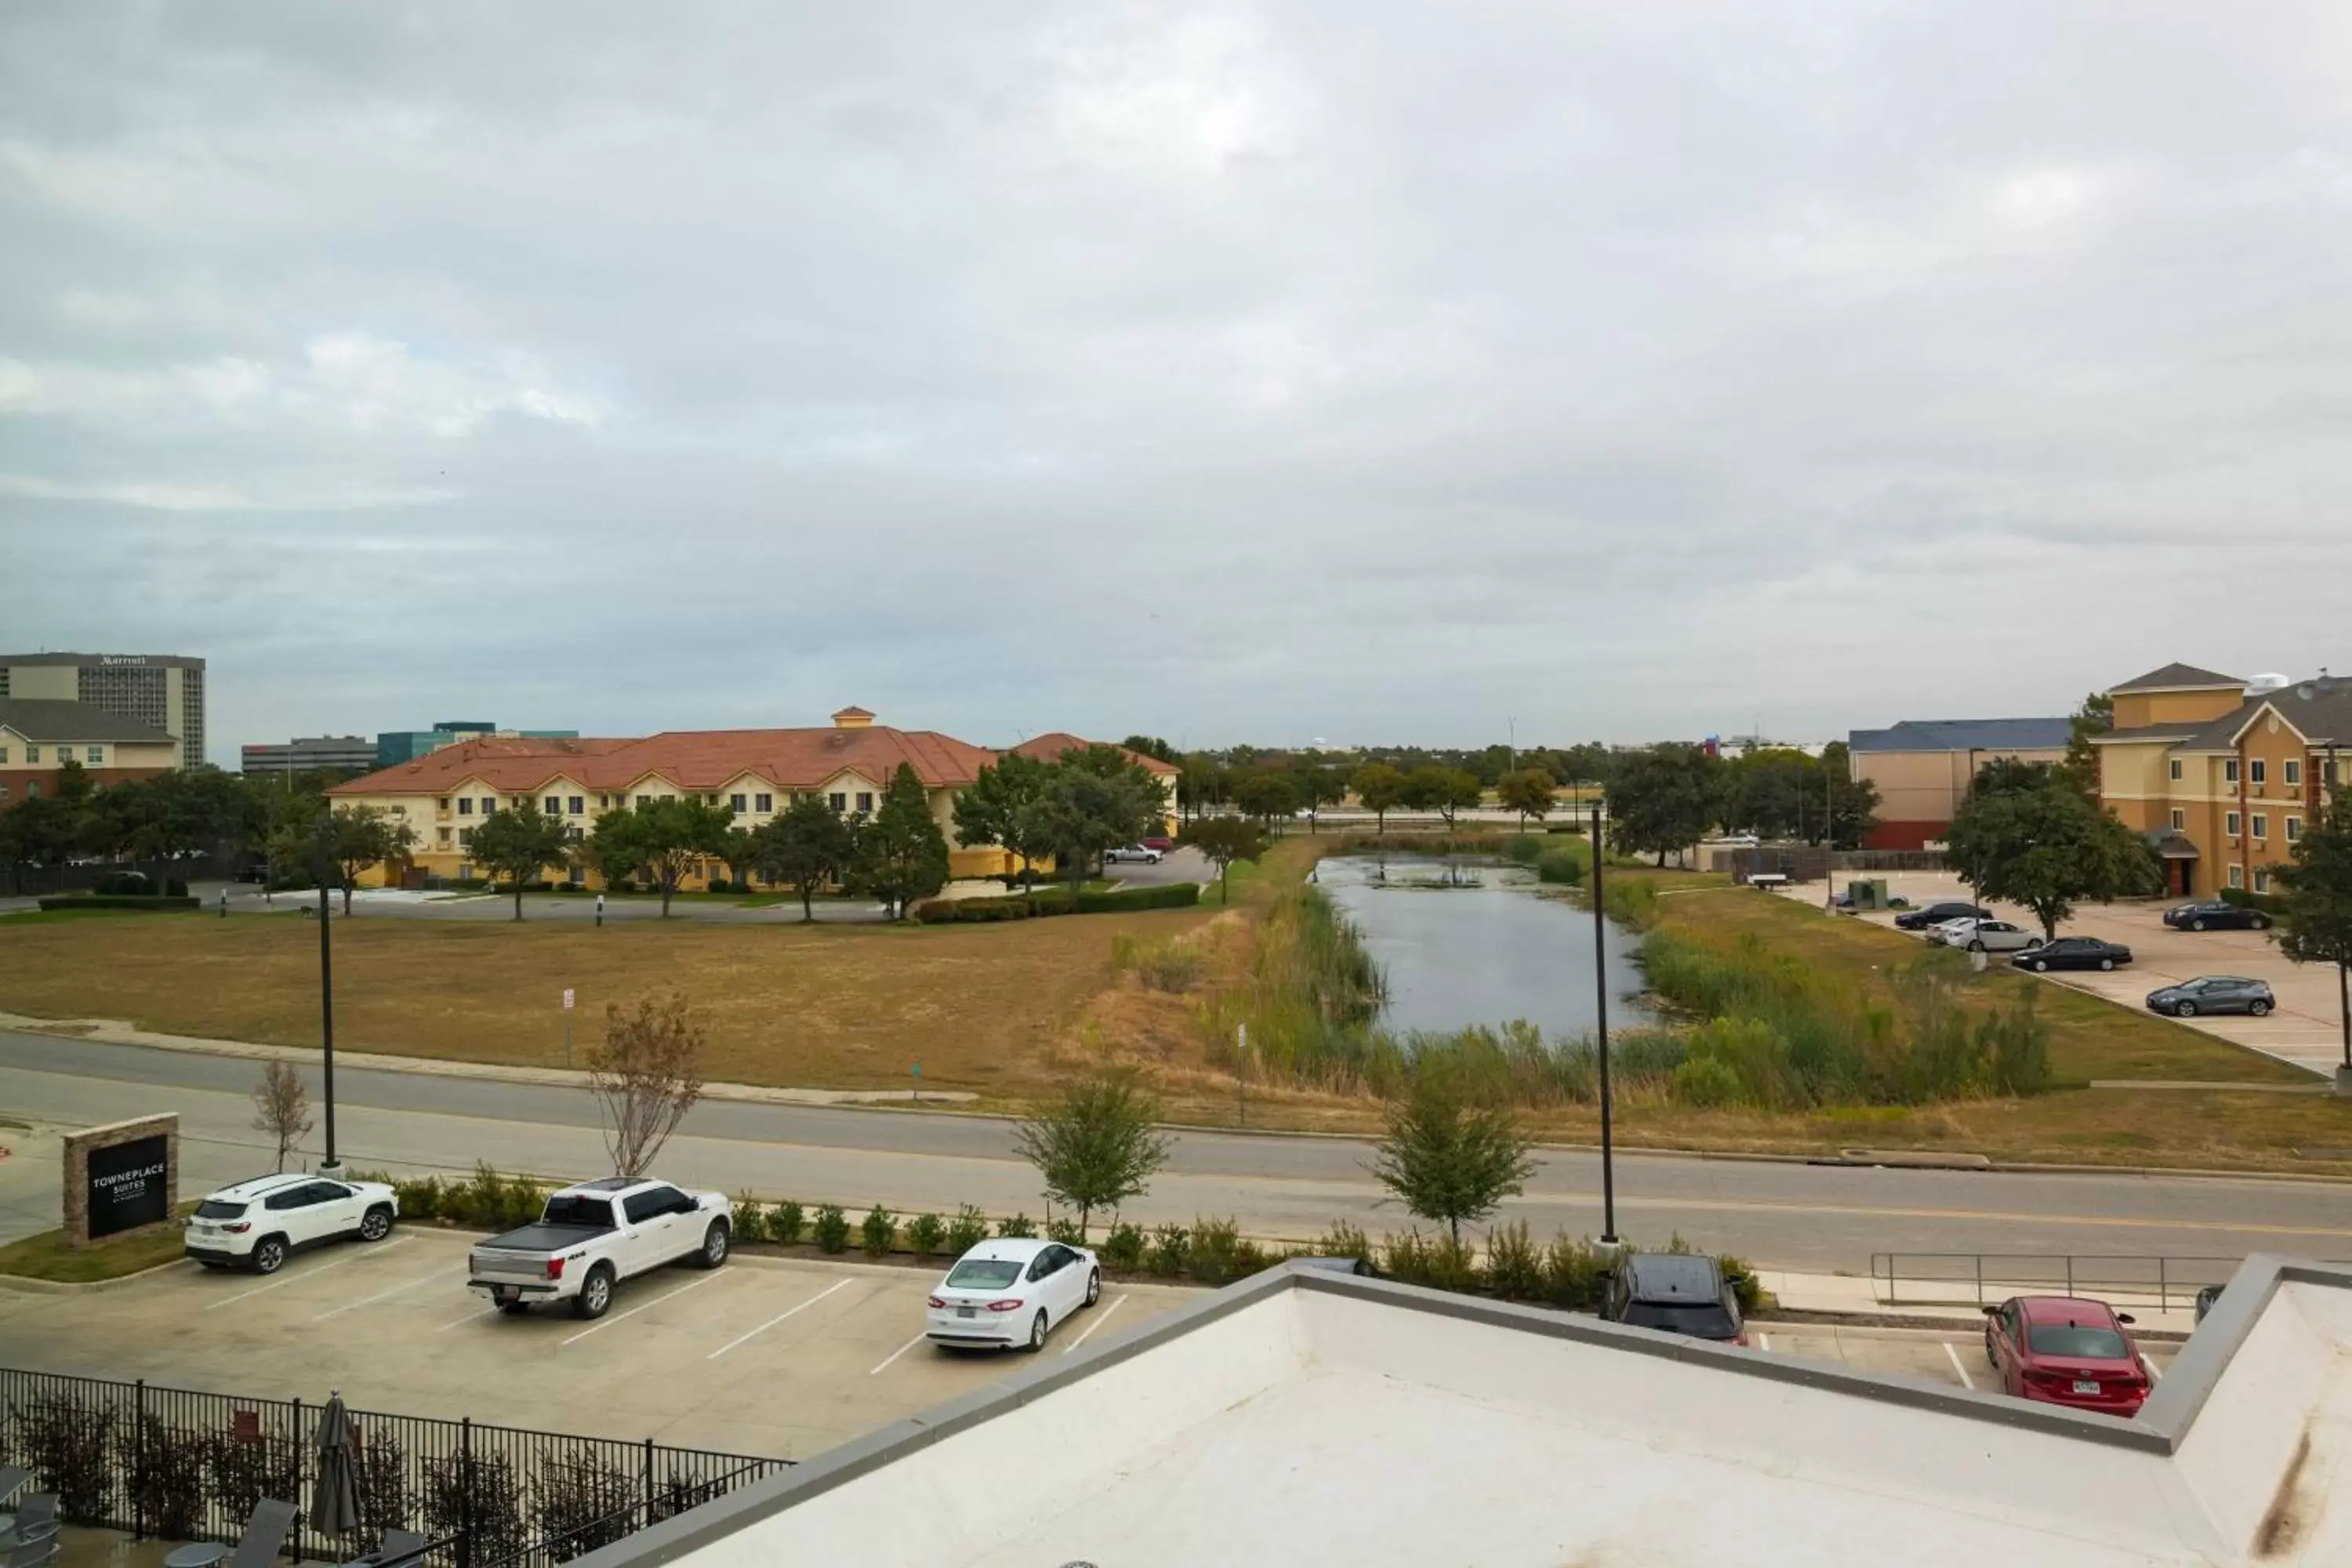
pixel 331 1166
pixel 1600 996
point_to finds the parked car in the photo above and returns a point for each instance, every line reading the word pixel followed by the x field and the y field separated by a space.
pixel 1679 1292
pixel 261 1222
pixel 2213 914
pixel 2073 953
pixel 592 1236
pixel 1144 853
pixel 2065 1350
pixel 2206 1298
pixel 1160 842
pixel 1936 913
pixel 1985 936
pixel 2213 993
pixel 1011 1291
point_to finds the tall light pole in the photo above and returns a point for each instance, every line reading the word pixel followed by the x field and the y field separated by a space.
pixel 331 1166
pixel 1601 995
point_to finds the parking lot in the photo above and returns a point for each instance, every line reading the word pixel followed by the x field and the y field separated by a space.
pixel 766 1356
pixel 1955 1359
pixel 2305 1029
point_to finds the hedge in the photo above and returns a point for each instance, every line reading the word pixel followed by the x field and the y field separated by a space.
pixel 154 901
pixel 1056 902
pixel 2268 903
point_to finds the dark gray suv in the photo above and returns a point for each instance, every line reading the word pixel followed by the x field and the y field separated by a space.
pixel 1680 1292
pixel 2213 993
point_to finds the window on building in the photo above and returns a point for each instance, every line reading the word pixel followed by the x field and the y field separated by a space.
pixel 445 838
pixel 2230 824
pixel 737 803
pixel 578 802
pixel 2176 770
pixel 552 805
pixel 489 804
pixel 465 836
pixel 643 798
pixel 465 805
pixel 2261 824
pixel 2258 772
pixel 2294 774
pixel 2294 829
pixel 32 753
pixel 865 800
pixel 2331 773
pixel 32 789
pixel 95 755
pixel 3 753
pixel 2237 876
pixel 763 803
pixel 4 791
pixel 2230 771
pixel 2262 880
pixel 604 802
pixel 838 801
pixel 2180 819
pixel 442 804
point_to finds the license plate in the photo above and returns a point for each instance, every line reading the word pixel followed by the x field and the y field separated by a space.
pixel 206 1230
pixel 504 1293
pixel 2087 1386
pixel 967 1311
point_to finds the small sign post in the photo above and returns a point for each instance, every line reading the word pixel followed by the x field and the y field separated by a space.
pixel 1241 1069
pixel 567 1026
pixel 919 1083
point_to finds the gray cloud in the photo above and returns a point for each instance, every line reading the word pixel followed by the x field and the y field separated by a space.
pixel 1367 372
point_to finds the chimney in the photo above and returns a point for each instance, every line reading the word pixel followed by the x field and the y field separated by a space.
pixel 852 718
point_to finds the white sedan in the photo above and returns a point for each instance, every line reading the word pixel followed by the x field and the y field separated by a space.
pixel 1012 1292
pixel 1990 936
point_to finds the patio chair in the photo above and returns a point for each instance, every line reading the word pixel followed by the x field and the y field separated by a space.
pixel 264 1539
pixel 40 1508
pixel 14 1478
pixel 400 1549
pixel 35 1545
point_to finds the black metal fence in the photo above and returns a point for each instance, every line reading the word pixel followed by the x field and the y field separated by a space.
pixel 187 1466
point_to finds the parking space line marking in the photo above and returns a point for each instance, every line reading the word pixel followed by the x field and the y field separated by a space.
pixel 396 1290
pixel 467 1318
pixel 1966 1381
pixel 1763 1340
pixel 607 1322
pixel 1097 1323
pixel 376 1251
pixel 778 1317
pixel 2154 1376
pixel 902 1350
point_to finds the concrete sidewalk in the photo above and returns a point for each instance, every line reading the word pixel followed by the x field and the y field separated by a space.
pixel 1930 1301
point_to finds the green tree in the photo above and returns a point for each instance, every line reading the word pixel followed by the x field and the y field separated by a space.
pixel 902 856
pixel 1380 788
pixel 1090 801
pixel 996 810
pixel 519 843
pixel 1662 798
pixel 1096 1144
pixel 1201 782
pixel 2047 848
pixel 1852 803
pixel 2097 716
pixel 742 859
pixel 1268 795
pixel 38 834
pixel 1155 748
pixel 360 837
pixel 2317 904
pixel 664 837
pixel 1456 789
pixel 1526 791
pixel 1224 840
pixel 1319 784
pixel 1447 1159
pixel 806 844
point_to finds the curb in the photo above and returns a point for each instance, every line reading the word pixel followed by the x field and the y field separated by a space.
pixel 32 1287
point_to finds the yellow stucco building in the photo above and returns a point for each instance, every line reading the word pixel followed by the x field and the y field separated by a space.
pixel 754 774
pixel 2220 776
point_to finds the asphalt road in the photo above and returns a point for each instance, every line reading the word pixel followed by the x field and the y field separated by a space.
pixel 1781 1215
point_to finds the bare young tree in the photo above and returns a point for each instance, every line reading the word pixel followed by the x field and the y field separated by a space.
pixel 646 1075
pixel 281 1107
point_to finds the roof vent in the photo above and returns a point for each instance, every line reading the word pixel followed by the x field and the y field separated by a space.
pixel 852 718
pixel 2306 691
pixel 2262 683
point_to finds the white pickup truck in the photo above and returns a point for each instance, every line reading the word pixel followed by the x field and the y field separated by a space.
pixel 594 1236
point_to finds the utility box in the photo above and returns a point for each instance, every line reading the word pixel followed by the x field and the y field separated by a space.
pixel 1868 893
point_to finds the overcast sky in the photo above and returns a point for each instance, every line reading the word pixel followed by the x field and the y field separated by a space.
pixel 1360 370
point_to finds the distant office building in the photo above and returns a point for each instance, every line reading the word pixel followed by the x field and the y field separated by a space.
pixel 1924 768
pixel 162 691
pixel 312 755
pixel 394 747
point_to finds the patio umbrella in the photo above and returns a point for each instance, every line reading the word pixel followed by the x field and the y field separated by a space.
pixel 335 1500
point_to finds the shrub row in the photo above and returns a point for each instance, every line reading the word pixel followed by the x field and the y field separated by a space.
pixel 2246 898
pixel 1057 902
pixel 119 902
pixel 1570 1272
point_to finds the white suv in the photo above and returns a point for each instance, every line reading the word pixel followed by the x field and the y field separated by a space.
pixel 257 1223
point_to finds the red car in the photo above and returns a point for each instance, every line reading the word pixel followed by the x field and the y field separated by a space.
pixel 2062 1349
pixel 1160 842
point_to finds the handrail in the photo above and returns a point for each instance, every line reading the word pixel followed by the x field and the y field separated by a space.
pixel 2167 1277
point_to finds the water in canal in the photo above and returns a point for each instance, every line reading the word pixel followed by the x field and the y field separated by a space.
pixel 1456 956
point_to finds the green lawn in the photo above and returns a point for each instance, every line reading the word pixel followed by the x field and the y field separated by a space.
pixel 46 1257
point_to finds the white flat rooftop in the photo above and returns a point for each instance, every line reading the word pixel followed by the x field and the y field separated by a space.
pixel 1304 1417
